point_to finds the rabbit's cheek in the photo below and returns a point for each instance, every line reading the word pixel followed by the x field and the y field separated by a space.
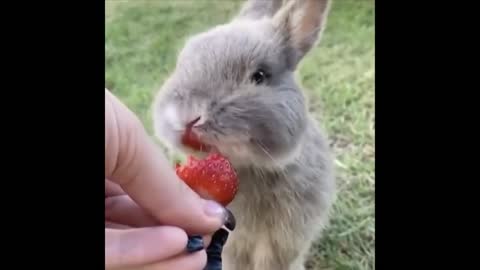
pixel 172 117
pixel 236 152
pixel 240 150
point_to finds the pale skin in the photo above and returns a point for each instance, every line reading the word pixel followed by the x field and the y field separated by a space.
pixel 149 212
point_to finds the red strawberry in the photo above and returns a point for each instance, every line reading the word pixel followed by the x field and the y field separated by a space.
pixel 212 178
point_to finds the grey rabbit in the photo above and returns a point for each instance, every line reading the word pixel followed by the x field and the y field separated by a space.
pixel 236 83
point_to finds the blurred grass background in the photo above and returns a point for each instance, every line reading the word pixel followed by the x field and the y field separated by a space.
pixel 141 43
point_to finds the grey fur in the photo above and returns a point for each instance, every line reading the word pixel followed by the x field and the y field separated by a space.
pixel 282 157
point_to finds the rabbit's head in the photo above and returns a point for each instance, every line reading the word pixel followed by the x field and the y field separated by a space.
pixel 236 83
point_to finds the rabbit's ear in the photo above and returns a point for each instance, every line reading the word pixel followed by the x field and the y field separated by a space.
pixel 257 9
pixel 301 23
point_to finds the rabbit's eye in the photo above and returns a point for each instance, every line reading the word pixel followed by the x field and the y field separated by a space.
pixel 259 76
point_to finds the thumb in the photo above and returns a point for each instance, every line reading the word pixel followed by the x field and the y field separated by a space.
pixel 135 163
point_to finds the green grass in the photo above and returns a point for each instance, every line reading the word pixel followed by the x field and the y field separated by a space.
pixel 141 43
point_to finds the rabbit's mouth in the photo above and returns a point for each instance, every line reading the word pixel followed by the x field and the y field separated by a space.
pixel 190 140
pixel 198 147
pixel 196 140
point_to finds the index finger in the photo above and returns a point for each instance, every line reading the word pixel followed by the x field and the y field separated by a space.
pixel 135 163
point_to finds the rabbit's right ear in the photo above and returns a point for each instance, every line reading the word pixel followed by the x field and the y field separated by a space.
pixel 257 9
pixel 301 23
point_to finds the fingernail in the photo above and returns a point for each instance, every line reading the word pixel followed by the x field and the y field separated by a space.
pixel 230 221
pixel 195 243
pixel 214 209
pixel 214 251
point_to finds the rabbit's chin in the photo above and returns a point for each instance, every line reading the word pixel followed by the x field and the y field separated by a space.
pixel 240 156
pixel 244 157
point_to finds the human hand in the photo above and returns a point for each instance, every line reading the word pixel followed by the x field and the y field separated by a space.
pixel 126 222
pixel 143 191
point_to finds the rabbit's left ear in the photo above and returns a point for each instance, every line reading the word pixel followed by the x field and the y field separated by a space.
pixel 257 9
pixel 301 23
